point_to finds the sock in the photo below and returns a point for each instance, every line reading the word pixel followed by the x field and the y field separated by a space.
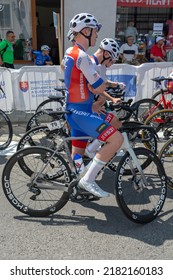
pixel 93 146
pixel 93 170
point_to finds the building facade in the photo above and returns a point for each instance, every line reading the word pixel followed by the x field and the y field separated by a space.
pixel 33 21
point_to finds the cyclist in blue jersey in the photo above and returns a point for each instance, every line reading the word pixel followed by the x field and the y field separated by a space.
pixel 83 82
pixel 43 57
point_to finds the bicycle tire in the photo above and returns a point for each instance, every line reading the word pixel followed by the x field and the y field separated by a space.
pixel 166 157
pixel 38 119
pixel 162 122
pixel 25 195
pixel 139 203
pixel 43 136
pixel 50 104
pixel 6 131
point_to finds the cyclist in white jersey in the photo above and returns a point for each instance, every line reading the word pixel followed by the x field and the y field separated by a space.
pixel 81 81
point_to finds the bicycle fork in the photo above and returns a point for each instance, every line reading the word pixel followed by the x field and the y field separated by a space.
pixel 127 146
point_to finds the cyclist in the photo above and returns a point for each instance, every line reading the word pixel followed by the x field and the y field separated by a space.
pixel 82 82
pixel 101 64
pixel 43 57
pixel 110 46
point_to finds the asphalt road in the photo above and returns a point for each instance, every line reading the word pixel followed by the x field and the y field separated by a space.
pixel 93 230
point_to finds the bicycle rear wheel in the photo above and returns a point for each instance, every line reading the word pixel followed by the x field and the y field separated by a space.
pixel 6 131
pixel 38 119
pixel 50 104
pixel 144 108
pixel 33 190
pixel 141 201
pixel 158 95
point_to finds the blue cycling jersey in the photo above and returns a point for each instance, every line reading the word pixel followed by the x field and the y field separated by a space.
pixel 40 58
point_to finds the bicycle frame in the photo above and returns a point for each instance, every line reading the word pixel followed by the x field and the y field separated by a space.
pixel 75 175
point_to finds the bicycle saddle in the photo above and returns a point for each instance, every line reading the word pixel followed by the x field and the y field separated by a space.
pixel 161 79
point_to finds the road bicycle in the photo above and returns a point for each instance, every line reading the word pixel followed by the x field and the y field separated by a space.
pixel 39 181
pixel 47 136
pixel 6 129
pixel 162 99
pixel 164 96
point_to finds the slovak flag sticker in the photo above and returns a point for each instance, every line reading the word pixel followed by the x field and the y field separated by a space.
pixel 24 86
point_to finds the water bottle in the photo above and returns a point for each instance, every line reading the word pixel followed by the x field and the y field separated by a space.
pixel 78 161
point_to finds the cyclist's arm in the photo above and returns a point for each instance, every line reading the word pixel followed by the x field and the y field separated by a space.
pixel 105 95
pixel 85 64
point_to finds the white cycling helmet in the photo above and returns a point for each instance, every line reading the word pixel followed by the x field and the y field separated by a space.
pixel 83 20
pixel 45 48
pixel 111 46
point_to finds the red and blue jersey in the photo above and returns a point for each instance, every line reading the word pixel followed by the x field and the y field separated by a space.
pixel 79 71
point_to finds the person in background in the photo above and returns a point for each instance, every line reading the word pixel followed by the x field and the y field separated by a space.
pixel 150 41
pixel 129 52
pixel 131 30
pixel 7 51
pixel 19 47
pixel 158 51
pixel 43 57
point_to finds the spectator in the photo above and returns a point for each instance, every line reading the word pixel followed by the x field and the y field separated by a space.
pixel 27 49
pixel 131 30
pixel 158 51
pixel 19 47
pixel 7 51
pixel 150 41
pixel 129 52
pixel 43 57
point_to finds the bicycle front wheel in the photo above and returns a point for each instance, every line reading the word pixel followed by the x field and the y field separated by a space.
pixel 166 157
pixel 6 131
pixel 35 191
pixel 141 196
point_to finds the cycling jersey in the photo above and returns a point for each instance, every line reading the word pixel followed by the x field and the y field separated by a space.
pixel 79 71
pixel 40 58
pixel 8 56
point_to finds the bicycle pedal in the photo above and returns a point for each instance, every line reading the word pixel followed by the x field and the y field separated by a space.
pixel 90 196
pixel 83 192
pixel 93 198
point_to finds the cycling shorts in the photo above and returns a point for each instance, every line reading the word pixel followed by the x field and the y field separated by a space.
pixel 86 123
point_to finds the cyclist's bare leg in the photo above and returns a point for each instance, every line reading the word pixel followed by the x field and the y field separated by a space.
pixel 116 123
pixel 114 142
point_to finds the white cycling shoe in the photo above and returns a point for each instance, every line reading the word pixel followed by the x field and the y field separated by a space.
pixel 92 188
